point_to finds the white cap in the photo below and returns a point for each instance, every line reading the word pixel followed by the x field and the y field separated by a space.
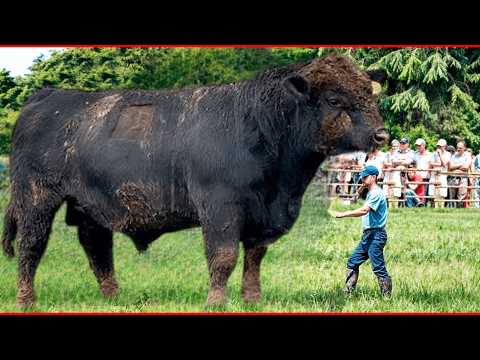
pixel 442 142
pixel 420 141
pixel 395 142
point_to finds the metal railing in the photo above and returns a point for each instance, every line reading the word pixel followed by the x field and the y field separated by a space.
pixel 433 186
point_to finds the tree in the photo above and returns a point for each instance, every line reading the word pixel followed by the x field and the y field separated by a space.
pixel 7 83
pixel 430 92
pixel 433 92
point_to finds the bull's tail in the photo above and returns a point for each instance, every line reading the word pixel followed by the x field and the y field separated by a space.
pixel 9 231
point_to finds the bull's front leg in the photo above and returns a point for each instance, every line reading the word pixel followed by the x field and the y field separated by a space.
pixel 251 291
pixel 221 232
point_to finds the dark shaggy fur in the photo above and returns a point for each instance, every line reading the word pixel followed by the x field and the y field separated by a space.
pixel 234 159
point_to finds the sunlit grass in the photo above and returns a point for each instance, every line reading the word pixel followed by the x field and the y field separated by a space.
pixel 431 254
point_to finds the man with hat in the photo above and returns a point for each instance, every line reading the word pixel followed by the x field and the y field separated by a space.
pixel 438 182
pixel 388 179
pixel 404 155
pixel 401 160
pixel 460 163
pixel 423 160
pixel 374 218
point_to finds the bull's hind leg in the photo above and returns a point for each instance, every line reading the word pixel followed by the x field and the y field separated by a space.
pixel 98 245
pixel 251 291
pixel 35 213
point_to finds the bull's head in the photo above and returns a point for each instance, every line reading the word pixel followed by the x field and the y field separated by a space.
pixel 339 105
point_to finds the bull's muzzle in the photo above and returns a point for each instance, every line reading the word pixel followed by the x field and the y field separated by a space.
pixel 381 136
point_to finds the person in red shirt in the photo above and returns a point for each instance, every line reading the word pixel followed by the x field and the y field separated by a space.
pixel 414 192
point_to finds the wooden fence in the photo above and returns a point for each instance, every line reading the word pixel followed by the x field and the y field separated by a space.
pixel 433 186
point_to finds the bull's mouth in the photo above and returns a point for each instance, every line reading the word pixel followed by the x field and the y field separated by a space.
pixel 379 138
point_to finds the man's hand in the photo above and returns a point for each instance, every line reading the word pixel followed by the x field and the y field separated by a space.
pixel 335 214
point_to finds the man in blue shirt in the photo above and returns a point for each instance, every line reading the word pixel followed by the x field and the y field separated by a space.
pixel 374 218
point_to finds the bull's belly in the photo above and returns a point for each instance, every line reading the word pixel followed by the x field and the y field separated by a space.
pixel 147 216
pixel 157 221
pixel 131 214
pixel 256 235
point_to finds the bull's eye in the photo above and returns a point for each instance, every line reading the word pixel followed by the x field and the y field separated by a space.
pixel 334 102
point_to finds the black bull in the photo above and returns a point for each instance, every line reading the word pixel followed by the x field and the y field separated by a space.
pixel 234 159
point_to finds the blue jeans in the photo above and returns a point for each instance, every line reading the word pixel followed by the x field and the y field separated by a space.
pixel 411 201
pixel 370 247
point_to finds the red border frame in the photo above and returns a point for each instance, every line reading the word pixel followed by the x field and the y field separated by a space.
pixel 319 314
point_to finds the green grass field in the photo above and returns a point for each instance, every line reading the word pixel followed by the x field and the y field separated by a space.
pixel 432 256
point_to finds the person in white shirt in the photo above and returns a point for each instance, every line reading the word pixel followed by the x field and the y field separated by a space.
pixel 360 158
pixel 438 181
pixel 471 180
pixel 423 160
pixel 459 163
pixel 345 177
pixel 401 160
pixel 334 163
pixel 387 187
pixel 476 180
pixel 376 158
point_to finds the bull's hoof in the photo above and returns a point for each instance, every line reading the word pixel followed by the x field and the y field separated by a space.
pixel 251 296
pixel 216 297
pixel 25 302
pixel 109 288
pixel 25 295
pixel 26 305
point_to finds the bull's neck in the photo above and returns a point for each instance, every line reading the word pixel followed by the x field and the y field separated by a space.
pixel 297 168
pixel 285 139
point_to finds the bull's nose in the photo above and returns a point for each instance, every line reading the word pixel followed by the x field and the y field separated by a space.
pixel 381 136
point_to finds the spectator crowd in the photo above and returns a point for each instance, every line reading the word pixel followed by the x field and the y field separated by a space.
pixel 446 177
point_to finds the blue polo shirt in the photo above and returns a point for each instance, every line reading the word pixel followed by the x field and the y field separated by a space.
pixel 377 216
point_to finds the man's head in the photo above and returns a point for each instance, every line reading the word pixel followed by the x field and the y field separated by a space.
pixel 395 145
pixel 420 145
pixel 411 171
pixel 404 143
pixel 461 147
pixel 369 175
pixel 442 144
pixel 450 149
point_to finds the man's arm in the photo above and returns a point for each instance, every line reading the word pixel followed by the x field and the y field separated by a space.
pixel 452 167
pixel 466 165
pixel 402 162
pixel 444 159
pixel 436 160
pixel 352 213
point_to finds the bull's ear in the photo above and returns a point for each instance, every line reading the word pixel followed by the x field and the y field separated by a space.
pixel 377 75
pixel 298 86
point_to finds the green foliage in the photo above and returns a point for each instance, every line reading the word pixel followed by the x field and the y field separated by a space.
pixel 431 254
pixel 7 84
pixel 7 122
pixel 436 90
pixel 432 89
pixel 151 68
